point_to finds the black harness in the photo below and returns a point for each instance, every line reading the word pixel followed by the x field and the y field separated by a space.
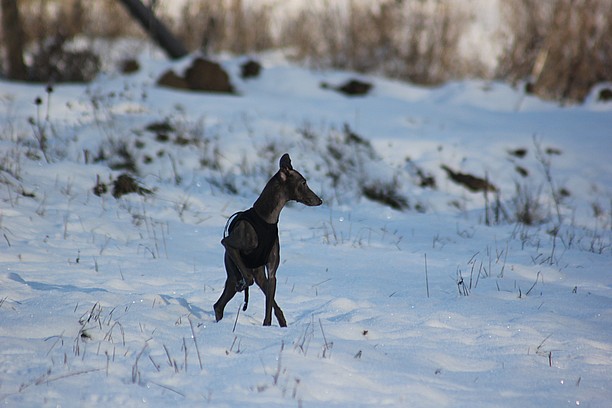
pixel 267 235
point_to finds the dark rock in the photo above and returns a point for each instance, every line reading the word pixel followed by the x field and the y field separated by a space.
pixel 170 79
pixel 205 75
pixel 355 87
pixel 129 66
pixel 605 95
pixel 250 69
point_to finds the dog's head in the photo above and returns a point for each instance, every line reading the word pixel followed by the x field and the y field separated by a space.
pixel 295 184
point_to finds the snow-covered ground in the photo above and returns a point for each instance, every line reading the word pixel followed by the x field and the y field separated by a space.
pixel 108 301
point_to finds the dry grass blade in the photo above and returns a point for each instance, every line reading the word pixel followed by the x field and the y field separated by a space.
pixel 195 341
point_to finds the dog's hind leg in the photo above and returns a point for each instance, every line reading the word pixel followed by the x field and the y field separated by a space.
pixel 230 288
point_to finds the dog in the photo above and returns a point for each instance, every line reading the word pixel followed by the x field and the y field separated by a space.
pixel 251 240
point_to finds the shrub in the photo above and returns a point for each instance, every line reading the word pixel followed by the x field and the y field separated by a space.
pixel 55 62
pixel 561 48
pixel 416 41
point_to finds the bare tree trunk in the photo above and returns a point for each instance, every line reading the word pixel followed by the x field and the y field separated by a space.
pixel 156 29
pixel 14 40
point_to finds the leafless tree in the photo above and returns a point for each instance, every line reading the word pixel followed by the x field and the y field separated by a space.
pixel 14 40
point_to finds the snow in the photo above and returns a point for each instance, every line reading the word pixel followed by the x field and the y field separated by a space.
pixel 108 301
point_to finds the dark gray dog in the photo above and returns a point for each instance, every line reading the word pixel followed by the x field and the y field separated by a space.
pixel 251 240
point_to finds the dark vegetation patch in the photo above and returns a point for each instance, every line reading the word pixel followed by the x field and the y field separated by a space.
pixel 350 167
pixel 520 152
pixel 386 194
pixel 523 172
pixel 162 137
pixel 124 184
pixel 553 151
pixel 427 180
pixel 55 62
pixel 165 131
pixel 160 127
pixel 469 181
pixel 346 151
pixel 127 184
pixel 423 178
pixel 118 156
pixel 528 208
pixel 564 192
pixel 100 188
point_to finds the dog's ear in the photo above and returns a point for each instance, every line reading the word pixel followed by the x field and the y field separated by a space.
pixel 285 162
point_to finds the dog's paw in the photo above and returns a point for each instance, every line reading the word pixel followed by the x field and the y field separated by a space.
pixel 218 313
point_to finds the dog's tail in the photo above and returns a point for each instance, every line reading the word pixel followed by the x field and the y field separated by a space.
pixel 246 299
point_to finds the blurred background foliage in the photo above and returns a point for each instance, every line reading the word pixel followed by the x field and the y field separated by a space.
pixel 557 49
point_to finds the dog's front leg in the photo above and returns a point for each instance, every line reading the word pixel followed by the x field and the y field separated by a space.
pixel 270 292
pixel 262 282
pixel 270 289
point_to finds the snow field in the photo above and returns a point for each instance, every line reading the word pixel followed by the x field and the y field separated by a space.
pixel 108 301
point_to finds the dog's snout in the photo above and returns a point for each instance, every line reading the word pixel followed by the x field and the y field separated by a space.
pixel 313 200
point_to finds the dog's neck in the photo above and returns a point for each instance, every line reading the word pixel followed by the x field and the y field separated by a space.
pixel 271 201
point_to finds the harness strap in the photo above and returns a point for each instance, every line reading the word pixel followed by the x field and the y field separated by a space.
pixel 228 223
pixel 225 233
pixel 246 299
